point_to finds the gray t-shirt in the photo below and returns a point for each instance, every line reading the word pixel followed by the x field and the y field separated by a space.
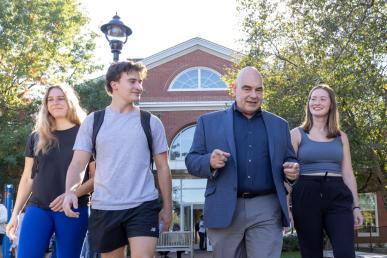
pixel 123 177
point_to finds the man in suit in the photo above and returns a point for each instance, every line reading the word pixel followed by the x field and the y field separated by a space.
pixel 246 155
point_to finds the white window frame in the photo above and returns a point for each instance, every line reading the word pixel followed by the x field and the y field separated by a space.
pixel 199 88
pixel 174 138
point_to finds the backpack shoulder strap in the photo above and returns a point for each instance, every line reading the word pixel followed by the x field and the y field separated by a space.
pixel 35 165
pixel 145 123
pixel 98 120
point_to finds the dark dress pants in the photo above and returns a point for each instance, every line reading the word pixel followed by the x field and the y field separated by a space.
pixel 202 240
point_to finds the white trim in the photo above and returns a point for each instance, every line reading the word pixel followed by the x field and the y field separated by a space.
pixel 199 74
pixel 178 163
pixel 188 47
pixel 185 106
pixel 198 89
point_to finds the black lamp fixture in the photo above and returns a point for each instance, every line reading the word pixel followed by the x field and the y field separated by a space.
pixel 117 33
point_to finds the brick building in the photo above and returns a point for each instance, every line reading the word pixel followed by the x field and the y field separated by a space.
pixel 184 82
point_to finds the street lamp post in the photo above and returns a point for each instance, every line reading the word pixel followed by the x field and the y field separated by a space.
pixel 116 33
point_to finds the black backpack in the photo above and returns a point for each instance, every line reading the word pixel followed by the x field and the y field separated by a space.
pixel 145 123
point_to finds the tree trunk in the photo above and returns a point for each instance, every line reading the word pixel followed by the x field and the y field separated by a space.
pixel 381 175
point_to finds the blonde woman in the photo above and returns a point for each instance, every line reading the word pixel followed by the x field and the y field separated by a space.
pixel 47 156
pixel 325 196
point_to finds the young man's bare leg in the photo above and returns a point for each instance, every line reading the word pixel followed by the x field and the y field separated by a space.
pixel 118 253
pixel 142 247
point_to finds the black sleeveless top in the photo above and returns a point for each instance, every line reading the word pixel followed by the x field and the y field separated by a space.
pixel 50 170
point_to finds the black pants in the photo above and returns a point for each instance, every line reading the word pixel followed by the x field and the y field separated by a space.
pixel 202 243
pixel 165 254
pixel 323 203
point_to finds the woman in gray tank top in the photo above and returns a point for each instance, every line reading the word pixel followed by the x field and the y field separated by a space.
pixel 325 196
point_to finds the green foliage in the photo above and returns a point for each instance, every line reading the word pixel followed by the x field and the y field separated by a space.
pixel 290 255
pixel 15 127
pixel 290 243
pixel 41 42
pixel 92 94
pixel 297 43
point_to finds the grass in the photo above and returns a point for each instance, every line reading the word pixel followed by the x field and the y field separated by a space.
pixel 291 255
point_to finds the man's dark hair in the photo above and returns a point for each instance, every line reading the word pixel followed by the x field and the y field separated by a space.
pixel 116 69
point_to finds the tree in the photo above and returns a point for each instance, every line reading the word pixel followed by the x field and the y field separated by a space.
pixel 297 43
pixel 41 42
pixel 92 94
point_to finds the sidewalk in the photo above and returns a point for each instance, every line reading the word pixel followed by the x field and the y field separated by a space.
pixel 329 254
pixel 197 254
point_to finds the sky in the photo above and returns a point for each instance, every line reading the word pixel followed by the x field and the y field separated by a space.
pixel 158 25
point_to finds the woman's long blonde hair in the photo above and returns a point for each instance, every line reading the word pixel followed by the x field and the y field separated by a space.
pixel 333 124
pixel 45 122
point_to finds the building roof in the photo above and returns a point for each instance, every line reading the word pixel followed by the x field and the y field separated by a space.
pixel 190 46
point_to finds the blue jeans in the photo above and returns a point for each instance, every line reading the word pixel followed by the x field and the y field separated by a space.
pixel 38 226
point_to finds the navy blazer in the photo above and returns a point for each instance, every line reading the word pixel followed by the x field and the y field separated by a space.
pixel 215 131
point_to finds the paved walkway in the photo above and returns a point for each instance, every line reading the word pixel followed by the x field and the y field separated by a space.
pixel 197 254
pixel 328 254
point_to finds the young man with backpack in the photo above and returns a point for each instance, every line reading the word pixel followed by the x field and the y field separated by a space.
pixel 125 206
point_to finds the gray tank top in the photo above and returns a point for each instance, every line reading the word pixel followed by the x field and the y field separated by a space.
pixel 317 157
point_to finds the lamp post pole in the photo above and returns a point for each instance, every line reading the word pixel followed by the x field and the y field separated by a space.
pixel 9 192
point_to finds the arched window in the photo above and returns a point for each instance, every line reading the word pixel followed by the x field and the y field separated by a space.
pixel 181 144
pixel 198 79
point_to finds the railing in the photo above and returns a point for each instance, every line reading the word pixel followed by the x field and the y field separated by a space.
pixel 175 241
pixel 371 238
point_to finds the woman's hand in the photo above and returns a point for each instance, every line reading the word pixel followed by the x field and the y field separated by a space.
pixel 56 205
pixel 12 227
pixel 358 218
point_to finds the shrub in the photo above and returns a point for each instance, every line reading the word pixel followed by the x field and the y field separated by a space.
pixel 290 243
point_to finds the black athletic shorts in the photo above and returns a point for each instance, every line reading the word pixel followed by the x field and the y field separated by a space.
pixel 110 229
